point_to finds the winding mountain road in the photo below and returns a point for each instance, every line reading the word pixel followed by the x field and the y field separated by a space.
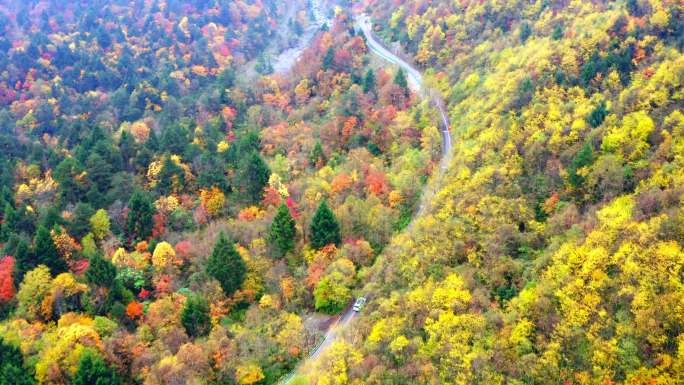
pixel 415 81
pixel 415 78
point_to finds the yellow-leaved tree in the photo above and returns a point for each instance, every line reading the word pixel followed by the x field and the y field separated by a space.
pixel 249 374
pixel 163 256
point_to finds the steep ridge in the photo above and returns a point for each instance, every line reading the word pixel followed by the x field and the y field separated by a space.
pixel 541 258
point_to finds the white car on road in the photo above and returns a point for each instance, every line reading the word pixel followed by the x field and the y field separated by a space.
pixel 358 305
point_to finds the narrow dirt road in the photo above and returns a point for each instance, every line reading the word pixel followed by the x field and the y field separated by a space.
pixel 415 81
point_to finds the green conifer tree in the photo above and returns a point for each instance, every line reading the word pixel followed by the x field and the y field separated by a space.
pixel 169 173
pixel 139 222
pixel 317 156
pixel 45 252
pixel 283 231
pixel 80 222
pixel 328 59
pixel 18 247
pixel 253 174
pixel 324 227
pixel 9 221
pixel 101 272
pixel 195 316
pixel 226 265
pixel 584 157
pixel 12 371
pixel 400 79
pixel 369 82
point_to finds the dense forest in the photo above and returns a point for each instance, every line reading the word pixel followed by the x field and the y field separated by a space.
pixel 170 218
pixel 173 211
pixel 553 251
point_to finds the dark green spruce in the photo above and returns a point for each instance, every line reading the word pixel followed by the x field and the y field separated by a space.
pixel 140 217
pixel 283 231
pixel 324 227
pixel 226 265
pixel 195 316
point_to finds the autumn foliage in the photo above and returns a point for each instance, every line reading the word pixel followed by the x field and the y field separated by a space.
pixel 177 213
pixel 7 265
pixel 134 310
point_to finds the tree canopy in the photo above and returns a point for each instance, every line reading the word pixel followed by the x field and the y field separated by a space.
pixel 283 230
pixel 325 229
pixel 226 265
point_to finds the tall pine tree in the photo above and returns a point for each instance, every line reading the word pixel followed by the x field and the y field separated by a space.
pixel 139 222
pixel 317 156
pixel 99 172
pixel 9 222
pixel 328 59
pixel 324 227
pixel 400 79
pixel 253 174
pixel 80 222
pixel 169 173
pixel 12 369
pixel 583 158
pixel 45 252
pixel 195 316
pixel 72 189
pixel 369 82
pixel 283 231
pixel 226 265
pixel 101 272
pixel 18 247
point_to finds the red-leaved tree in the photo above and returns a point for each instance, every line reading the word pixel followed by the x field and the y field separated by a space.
pixel 6 279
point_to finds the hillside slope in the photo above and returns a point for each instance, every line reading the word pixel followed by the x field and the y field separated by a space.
pixel 553 252
pixel 166 220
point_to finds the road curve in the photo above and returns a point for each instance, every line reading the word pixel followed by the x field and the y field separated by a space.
pixel 415 81
pixel 415 78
